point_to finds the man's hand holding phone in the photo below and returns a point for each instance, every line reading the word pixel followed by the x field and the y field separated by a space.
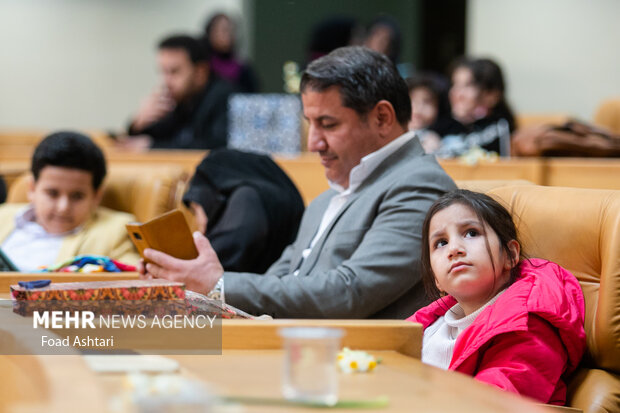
pixel 200 274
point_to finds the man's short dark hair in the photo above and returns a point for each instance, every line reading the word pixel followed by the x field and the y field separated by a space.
pixel 364 76
pixel 192 46
pixel 70 150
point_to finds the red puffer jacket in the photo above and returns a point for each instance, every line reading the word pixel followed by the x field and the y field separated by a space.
pixel 529 339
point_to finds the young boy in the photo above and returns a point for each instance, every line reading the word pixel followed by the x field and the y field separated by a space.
pixel 63 218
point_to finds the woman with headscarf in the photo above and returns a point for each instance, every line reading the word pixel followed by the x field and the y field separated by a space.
pixel 219 39
pixel 246 206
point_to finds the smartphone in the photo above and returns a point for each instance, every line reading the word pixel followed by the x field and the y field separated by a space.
pixel 167 233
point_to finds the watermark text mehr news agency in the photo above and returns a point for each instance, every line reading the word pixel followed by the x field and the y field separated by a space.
pixel 87 319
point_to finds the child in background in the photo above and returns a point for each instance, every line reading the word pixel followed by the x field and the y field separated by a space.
pixel 63 218
pixel 517 325
pixel 481 117
pixel 425 94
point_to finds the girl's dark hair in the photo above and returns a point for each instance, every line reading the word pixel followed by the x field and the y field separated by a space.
pixel 488 76
pixel 488 211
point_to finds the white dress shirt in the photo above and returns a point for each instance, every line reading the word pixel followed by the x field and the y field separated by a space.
pixel 357 175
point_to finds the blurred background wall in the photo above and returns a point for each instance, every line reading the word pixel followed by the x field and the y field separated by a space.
pixel 558 55
pixel 88 63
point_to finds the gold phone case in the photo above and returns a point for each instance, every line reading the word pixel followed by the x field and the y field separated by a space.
pixel 167 233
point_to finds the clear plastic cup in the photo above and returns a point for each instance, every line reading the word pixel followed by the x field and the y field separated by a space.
pixel 310 373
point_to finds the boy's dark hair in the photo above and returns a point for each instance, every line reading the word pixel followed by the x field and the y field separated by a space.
pixel 364 77
pixel 488 211
pixel 193 47
pixel 70 150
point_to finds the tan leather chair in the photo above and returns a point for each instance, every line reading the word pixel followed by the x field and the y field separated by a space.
pixel 580 230
pixel 32 137
pixel 608 115
pixel 485 185
pixel 525 120
pixel 145 190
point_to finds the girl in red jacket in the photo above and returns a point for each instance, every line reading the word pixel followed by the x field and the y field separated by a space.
pixel 514 324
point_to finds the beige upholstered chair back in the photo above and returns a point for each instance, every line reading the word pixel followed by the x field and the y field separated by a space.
pixel 580 230
pixel 144 190
pixel 608 115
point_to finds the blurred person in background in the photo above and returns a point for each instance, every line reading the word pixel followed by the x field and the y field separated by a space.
pixel 383 35
pixel 189 109
pixel 481 117
pixel 220 39
pixel 429 109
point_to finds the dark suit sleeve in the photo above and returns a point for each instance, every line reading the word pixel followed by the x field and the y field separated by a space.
pixel 211 121
pixel 159 131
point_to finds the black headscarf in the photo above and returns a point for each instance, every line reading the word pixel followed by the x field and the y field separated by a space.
pixel 225 170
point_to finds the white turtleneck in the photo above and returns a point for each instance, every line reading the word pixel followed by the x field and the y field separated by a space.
pixel 440 337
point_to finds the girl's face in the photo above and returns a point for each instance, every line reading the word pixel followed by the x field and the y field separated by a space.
pixel 465 96
pixel 460 259
pixel 423 108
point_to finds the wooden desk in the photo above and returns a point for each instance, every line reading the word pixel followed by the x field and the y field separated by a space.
pixel 11 170
pixel 529 169
pixel 308 174
pixel 10 278
pixel 583 172
pixel 188 159
pixel 253 368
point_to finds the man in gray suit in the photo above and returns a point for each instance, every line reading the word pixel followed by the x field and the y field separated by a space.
pixel 357 253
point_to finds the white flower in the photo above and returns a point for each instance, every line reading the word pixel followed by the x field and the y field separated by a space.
pixel 351 361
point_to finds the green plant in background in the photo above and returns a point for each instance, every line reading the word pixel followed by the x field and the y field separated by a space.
pixel 292 77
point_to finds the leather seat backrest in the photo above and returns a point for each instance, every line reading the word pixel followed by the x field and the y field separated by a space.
pixel 580 230
pixel 485 185
pixel 608 115
pixel 144 190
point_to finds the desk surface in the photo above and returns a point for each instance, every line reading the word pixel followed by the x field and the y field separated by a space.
pixel 11 278
pixel 408 384
pixel 61 383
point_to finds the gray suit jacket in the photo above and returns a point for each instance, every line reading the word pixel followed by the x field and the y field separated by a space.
pixel 367 262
